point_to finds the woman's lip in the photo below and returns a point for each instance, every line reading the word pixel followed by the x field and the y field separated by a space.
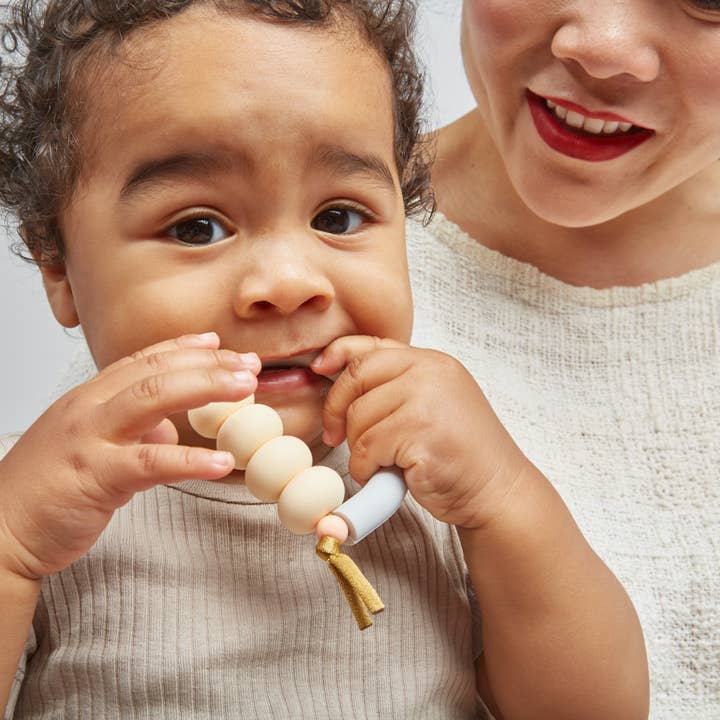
pixel 579 144
pixel 568 105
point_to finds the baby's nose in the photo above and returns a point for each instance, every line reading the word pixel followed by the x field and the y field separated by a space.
pixel 283 286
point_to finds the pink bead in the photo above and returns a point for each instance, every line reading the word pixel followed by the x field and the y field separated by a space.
pixel 333 526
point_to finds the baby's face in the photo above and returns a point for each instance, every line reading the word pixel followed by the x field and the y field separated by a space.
pixel 240 177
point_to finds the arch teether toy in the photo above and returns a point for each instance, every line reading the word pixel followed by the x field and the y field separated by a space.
pixel 278 469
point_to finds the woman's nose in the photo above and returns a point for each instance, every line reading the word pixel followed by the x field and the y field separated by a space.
pixel 611 38
pixel 281 286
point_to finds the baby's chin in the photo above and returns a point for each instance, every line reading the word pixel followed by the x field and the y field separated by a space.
pixel 307 426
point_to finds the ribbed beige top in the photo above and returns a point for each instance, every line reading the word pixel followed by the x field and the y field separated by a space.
pixel 196 603
pixel 615 395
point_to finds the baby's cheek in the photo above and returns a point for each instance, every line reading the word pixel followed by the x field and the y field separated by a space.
pixel 392 318
pixel 135 318
pixel 303 420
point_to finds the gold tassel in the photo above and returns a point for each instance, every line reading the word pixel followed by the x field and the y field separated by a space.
pixel 360 594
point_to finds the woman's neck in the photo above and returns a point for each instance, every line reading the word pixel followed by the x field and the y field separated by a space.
pixel 670 236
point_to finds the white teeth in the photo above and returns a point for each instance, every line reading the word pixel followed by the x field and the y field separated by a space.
pixel 596 126
pixel 593 125
pixel 574 119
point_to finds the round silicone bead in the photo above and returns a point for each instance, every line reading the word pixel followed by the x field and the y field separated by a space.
pixel 308 497
pixel 333 526
pixel 246 430
pixel 206 420
pixel 274 465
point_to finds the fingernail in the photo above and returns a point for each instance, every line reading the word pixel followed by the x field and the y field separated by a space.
pixel 249 357
pixel 318 361
pixel 205 337
pixel 327 438
pixel 222 460
pixel 243 377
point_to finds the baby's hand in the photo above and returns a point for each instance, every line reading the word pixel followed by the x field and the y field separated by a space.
pixel 423 411
pixel 107 439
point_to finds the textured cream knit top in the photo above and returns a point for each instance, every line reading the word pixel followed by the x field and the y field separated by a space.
pixel 615 395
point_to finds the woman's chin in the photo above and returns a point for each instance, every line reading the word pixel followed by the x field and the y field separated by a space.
pixel 569 211
pixel 572 202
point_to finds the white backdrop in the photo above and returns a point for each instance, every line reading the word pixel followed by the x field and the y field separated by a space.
pixel 36 350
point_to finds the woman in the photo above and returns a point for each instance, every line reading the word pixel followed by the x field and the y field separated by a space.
pixel 573 267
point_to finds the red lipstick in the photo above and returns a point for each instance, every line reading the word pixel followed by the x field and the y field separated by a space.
pixel 580 144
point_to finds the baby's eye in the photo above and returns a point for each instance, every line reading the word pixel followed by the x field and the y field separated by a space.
pixel 338 221
pixel 198 231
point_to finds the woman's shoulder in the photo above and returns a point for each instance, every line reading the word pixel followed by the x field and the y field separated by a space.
pixel 431 232
pixel 441 249
pixel 7 441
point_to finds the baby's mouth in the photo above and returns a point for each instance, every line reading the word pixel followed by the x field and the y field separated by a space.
pixel 294 362
pixel 290 373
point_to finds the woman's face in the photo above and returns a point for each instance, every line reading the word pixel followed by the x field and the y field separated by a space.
pixel 596 106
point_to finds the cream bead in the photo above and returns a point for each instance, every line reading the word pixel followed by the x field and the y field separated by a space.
pixel 308 497
pixel 206 420
pixel 246 430
pixel 274 465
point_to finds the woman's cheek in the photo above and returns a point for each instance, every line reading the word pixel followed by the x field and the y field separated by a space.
pixel 492 22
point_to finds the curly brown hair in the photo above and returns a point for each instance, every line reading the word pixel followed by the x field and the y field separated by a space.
pixel 47 45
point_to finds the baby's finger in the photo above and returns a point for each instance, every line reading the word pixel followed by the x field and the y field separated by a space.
pixel 209 340
pixel 372 408
pixel 361 375
pixel 163 434
pixel 142 406
pixel 135 468
pixel 165 362
pixel 375 448
pixel 341 351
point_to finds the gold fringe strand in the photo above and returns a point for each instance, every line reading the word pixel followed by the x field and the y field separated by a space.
pixel 360 594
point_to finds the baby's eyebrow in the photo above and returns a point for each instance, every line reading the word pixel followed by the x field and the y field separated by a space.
pixel 153 172
pixel 150 173
pixel 343 162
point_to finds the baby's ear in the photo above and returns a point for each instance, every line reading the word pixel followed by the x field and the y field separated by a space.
pixel 59 293
pixel 57 285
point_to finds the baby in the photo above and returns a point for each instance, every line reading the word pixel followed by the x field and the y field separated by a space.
pixel 216 192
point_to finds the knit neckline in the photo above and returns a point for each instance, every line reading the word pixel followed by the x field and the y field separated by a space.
pixel 538 287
